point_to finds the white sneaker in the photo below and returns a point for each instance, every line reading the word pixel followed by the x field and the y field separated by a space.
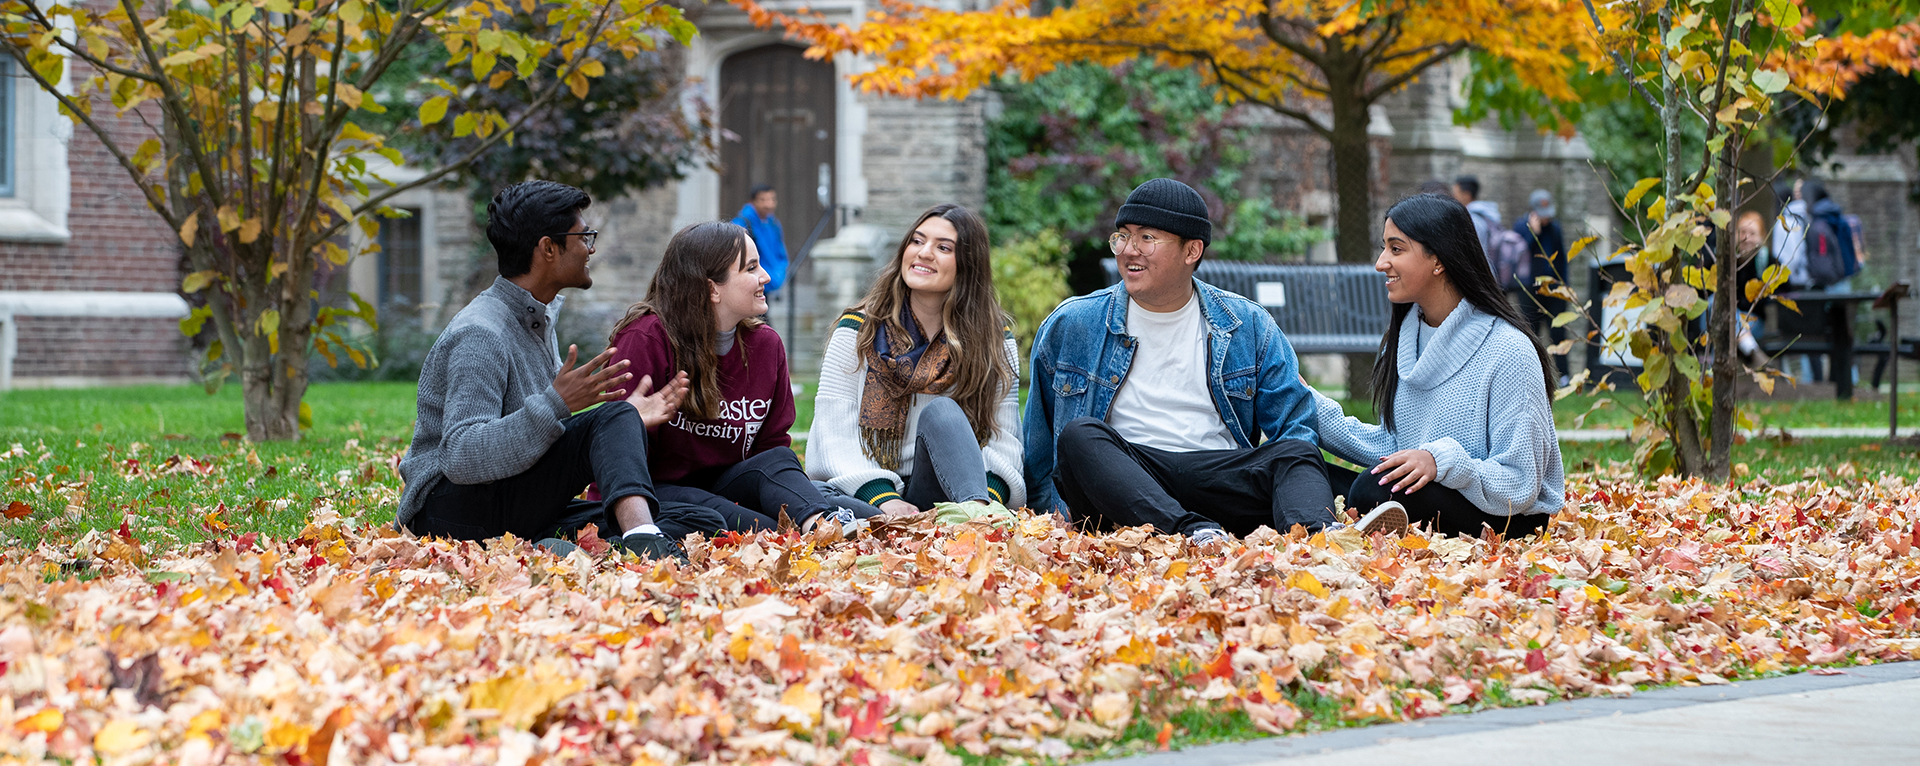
pixel 1389 517
pixel 1208 536
pixel 850 525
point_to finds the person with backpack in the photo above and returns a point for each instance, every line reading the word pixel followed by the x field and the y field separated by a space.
pixel 1813 241
pixel 1485 213
pixel 1546 257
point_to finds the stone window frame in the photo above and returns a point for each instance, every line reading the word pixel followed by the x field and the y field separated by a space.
pixel 37 137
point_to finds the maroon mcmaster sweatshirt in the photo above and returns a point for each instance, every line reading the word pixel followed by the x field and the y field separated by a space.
pixel 756 402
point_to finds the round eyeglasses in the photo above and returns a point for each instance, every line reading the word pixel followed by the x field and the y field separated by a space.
pixel 1143 242
pixel 587 237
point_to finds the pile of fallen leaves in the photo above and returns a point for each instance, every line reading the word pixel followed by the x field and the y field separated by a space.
pixel 1028 639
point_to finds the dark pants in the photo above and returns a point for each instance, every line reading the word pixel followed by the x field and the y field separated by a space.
pixel 1444 509
pixel 749 495
pixel 1109 482
pixel 605 445
pixel 948 465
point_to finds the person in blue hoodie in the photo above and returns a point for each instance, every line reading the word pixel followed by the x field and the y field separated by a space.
pixel 758 219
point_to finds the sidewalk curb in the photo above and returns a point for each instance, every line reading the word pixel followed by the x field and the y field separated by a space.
pixel 1263 750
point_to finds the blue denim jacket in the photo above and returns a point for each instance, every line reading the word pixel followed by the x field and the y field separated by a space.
pixel 1083 352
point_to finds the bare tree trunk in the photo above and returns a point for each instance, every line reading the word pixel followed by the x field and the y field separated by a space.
pixel 1688 451
pixel 1723 325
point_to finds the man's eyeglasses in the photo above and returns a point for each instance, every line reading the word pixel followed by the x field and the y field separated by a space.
pixel 1144 242
pixel 587 237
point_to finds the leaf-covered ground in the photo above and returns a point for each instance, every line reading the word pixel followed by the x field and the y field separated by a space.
pixel 353 643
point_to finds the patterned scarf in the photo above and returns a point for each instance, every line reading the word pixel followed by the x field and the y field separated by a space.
pixel 900 365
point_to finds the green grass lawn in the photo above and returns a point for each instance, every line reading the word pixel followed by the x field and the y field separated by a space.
pixel 1806 413
pixel 165 458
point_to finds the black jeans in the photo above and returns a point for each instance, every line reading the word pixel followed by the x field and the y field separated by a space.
pixel 749 495
pixel 1444 509
pixel 948 465
pixel 605 445
pixel 1109 482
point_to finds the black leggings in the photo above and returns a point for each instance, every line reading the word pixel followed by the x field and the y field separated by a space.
pixel 749 495
pixel 1443 508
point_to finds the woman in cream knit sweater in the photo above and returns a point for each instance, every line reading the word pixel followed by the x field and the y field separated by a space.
pixel 917 402
pixel 1463 387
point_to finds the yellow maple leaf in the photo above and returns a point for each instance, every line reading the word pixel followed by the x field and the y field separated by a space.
pixel 521 697
pixel 807 702
pixel 1304 580
pixel 47 720
pixel 121 735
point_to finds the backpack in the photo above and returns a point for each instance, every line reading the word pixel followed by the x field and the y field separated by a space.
pixel 1511 260
pixel 1826 261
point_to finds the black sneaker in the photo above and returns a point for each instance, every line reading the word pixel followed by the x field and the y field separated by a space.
pixel 1387 518
pixel 556 546
pixel 646 545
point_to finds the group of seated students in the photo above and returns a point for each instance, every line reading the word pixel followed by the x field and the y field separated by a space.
pixel 1159 401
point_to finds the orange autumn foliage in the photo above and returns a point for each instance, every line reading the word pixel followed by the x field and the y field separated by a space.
pixel 1839 62
pixel 1269 53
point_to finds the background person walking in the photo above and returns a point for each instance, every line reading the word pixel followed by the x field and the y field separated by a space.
pixel 758 219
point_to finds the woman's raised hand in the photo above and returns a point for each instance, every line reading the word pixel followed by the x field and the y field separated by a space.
pixel 590 384
pixel 656 407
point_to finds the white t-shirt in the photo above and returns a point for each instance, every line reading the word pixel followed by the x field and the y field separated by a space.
pixel 1164 403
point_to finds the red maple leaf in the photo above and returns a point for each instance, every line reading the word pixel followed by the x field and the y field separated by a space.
pixel 866 719
pixel 589 540
pixel 1222 664
pixel 18 510
pixel 1536 660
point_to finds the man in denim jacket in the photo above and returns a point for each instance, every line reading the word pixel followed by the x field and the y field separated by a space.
pixel 1150 399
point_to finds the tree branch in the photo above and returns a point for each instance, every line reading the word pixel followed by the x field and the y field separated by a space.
pixel 561 73
pixel 1404 77
pixel 106 139
pixel 1620 62
pixel 170 101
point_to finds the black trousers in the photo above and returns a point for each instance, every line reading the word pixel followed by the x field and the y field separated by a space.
pixel 1107 481
pixel 749 495
pixel 605 445
pixel 1443 509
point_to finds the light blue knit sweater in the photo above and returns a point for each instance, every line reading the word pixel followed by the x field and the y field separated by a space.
pixel 1474 398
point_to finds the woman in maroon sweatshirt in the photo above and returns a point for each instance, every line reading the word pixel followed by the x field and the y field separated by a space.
pixel 728 447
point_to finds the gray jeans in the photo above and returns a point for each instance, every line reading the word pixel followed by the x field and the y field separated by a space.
pixel 948 465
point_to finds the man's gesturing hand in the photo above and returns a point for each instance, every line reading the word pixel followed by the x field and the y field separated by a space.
pixel 590 384
pixel 658 407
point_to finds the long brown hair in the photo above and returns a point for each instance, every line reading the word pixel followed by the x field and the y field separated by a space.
pixel 680 296
pixel 974 324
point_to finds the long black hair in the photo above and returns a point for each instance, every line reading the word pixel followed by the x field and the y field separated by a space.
pixel 1445 229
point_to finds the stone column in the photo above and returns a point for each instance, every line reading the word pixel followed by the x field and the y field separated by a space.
pixel 843 268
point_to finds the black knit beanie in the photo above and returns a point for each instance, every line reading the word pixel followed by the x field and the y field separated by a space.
pixel 1169 206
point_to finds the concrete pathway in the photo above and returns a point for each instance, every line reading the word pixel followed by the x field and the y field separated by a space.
pixel 1866 715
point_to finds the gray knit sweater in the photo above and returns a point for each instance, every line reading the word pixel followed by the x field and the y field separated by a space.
pixel 487 407
pixel 1474 398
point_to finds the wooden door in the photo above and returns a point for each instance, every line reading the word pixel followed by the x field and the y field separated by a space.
pixel 780 107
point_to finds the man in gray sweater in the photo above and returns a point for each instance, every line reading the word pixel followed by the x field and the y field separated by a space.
pixel 496 446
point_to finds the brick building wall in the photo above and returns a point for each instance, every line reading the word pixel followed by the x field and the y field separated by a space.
pixel 117 244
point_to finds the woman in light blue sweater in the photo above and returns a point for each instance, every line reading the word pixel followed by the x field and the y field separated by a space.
pixel 1463 388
